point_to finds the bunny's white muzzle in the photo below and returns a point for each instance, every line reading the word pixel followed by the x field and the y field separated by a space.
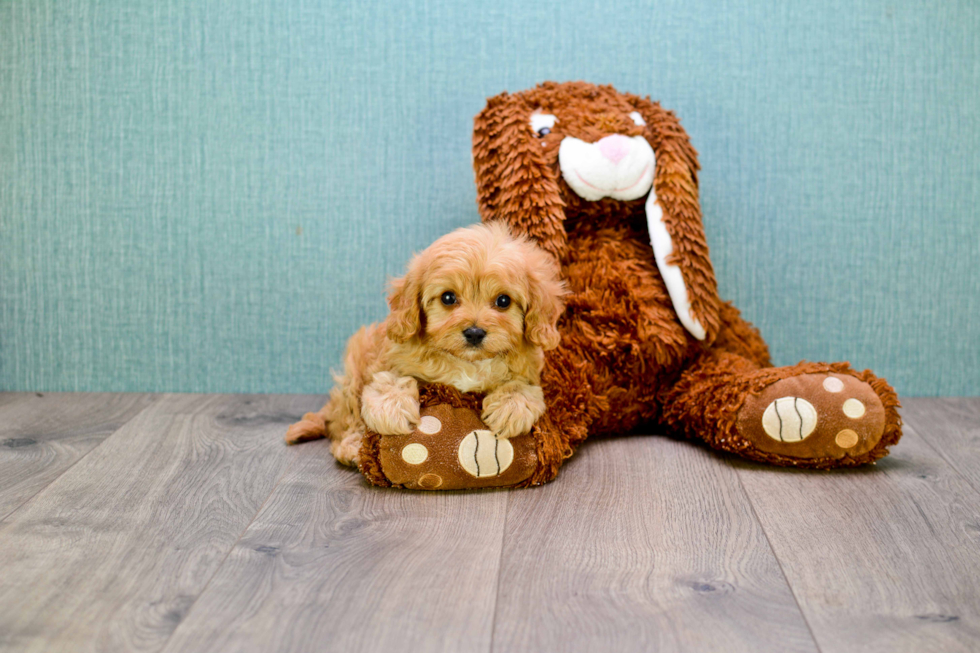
pixel 623 168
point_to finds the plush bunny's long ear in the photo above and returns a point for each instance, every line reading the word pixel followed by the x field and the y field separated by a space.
pixel 674 219
pixel 513 181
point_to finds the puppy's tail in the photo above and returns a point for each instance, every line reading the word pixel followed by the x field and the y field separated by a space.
pixel 313 426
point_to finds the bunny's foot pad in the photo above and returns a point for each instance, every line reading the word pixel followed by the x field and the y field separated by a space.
pixel 451 449
pixel 813 416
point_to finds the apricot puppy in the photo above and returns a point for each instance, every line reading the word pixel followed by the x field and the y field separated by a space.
pixel 476 310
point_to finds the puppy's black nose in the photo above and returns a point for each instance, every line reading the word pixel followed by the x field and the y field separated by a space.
pixel 474 335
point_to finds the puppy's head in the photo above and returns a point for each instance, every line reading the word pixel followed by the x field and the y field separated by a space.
pixel 477 293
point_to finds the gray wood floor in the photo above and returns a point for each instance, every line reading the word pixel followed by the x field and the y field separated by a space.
pixel 182 523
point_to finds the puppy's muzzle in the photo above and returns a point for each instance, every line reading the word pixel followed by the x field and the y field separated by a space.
pixel 474 335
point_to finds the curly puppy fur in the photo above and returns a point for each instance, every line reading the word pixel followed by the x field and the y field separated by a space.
pixel 477 278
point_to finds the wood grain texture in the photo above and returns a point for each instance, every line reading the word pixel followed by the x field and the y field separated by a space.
pixel 112 554
pixel 952 427
pixel 192 528
pixel 643 543
pixel 42 435
pixel 880 559
pixel 333 564
pixel 11 397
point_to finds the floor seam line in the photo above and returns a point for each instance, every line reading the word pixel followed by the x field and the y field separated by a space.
pixel 942 457
pixel 228 553
pixel 779 562
pixel 500 567
pixel 3 520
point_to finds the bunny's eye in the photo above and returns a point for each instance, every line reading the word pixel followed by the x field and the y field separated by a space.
pixel 542 123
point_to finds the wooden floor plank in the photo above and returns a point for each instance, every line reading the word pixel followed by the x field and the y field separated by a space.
pixel 148 541
pixel 42 435
pixel 885 558
pixel 112 554
pixel 11 397
pixel 331 564
pixel 642 544
pixel 952 427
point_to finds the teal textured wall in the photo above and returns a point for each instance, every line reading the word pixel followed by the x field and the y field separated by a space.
pixel 209 196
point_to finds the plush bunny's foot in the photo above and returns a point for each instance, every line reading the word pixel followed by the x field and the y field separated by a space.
pixel 814 416
pixel 450 449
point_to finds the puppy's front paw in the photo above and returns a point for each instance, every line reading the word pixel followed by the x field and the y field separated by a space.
pixel 513 408
pixel 390 404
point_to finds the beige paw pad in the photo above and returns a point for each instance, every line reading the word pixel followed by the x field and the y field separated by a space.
pixel 853 408
pixel 846 439
pixel 415 453
pixel 789 419
pixel 833 384
pixel 430 425
pixel 481 453
pixel 430 482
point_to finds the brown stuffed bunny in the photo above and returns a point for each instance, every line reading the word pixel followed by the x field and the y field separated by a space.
pixel 607 183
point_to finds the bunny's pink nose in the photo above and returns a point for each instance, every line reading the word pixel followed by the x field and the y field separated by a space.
pixel 614 147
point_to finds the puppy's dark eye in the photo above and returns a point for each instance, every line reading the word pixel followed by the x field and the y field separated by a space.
pixel 544 131
pixel 448 298
pixel 503 301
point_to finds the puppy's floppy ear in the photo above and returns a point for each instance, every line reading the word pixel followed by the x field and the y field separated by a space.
pixel 678 232
pixel 514 182
pixel 545 302
pixel 405 319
